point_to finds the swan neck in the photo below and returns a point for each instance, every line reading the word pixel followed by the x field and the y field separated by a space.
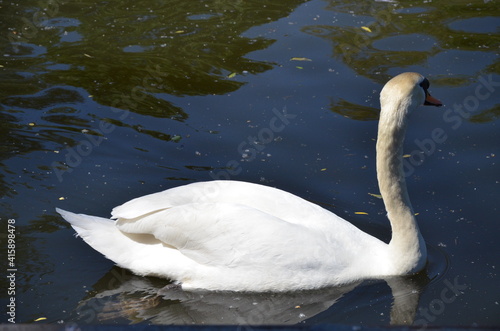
pixel 407 246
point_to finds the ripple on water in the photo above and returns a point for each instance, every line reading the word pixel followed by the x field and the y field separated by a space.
pixel 437 263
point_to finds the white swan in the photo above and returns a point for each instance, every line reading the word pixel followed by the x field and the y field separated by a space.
pixel 237 236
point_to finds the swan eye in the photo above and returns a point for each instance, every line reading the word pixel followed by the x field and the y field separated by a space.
pixel 425 84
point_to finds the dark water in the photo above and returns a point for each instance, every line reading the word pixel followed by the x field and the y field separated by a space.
pixel 101 102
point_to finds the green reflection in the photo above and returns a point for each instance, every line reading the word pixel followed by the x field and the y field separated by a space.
pixel 62 58
pixel 125 53
pixel 373 38
pixel 361 26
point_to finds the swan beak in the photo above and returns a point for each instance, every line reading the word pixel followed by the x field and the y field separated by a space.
pixel 431 101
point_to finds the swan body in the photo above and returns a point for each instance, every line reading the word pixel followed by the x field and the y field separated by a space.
pixel 238 236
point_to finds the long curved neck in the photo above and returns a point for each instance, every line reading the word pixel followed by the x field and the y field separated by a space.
pixel 407 248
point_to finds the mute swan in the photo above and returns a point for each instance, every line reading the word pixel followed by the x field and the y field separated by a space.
pixel 238 236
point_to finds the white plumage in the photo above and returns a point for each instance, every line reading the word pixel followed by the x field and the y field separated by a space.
pixel 231 235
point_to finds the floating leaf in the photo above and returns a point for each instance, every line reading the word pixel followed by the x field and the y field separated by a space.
pixel 179 31
pixel 416 214
pixel 40 319
pixel 31 124
pixel 61 198
pixel 366 28
pixel 299 67
pixel 231 75
pixel 87 55
pixel 375 195
pixel 176 138
pixel 406 155
pixel 360 213
pixel 324 169
pixel 300 59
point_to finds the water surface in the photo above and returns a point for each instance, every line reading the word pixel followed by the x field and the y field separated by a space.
pixel 101 102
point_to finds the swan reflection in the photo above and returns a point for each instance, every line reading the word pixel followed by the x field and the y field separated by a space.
pixel 121 297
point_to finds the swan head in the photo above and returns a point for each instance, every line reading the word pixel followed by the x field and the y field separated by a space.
pixel 404 93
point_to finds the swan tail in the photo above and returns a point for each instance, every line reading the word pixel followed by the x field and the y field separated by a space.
pixel 86 225
pixel 143 254
pixel 100 233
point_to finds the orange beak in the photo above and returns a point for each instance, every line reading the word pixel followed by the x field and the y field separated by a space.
pixel 431 101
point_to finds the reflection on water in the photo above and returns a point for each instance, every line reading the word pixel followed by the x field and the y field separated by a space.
pixel 129 58
pixel 101 102
pixel 122 297
pixel 125 54
pixel 373 38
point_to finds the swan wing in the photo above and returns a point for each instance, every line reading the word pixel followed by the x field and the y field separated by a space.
pixel 234 246
pixel 226 234
pixel 269 200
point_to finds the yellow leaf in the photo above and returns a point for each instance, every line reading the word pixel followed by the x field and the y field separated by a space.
pixel 366 28
pixel 40 319
pixel 406 155
pixel 61 198
pixel 360 213
pixel 300 59
pixel 87 55
pixel 299 67
pixel 231 75
pixel 324 169
pixel 31 124
pixel 375 195
pixel 416 214
pixel 179 31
